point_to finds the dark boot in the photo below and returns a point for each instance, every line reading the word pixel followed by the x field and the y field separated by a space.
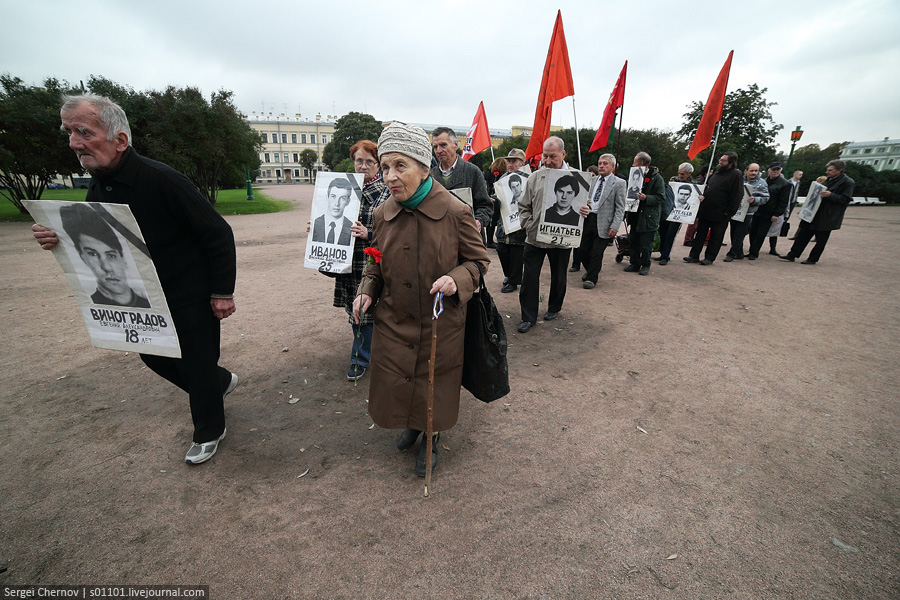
pixel 407 438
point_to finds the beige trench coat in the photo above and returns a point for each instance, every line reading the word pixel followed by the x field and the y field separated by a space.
pixel 419 246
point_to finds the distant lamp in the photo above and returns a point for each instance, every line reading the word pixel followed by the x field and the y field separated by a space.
pixel 795 137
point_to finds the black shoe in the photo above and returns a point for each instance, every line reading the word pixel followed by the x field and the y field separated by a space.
pixel 505 280
pixel 525 326
pixel 691 259
pixel 808 262
pixel 728 258
pixel 792 238
pixel 508 288
pixel 786 257
pixel 355 372
pixel 645 270
pixel 632 269
pixel 549 315
pixel 588 285
pixel 752 256
pixel 423 450
pixel 574 269
pixel 407 438
pixel 663 262
pixel 706 262
pixel 774 252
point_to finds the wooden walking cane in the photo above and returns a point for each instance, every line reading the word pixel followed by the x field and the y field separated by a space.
pixel 429 422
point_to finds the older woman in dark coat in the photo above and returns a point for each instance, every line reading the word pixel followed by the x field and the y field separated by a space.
pixel 429 244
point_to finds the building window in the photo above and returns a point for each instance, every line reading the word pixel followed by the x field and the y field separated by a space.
pixel 312 138
pixel 876 162
pixel 268 172
pixel 284 138
pixel 880 150
pixel 278 173
pixel 854 152
pixel 266 157
pixel 297 173
pixel 293 138
pixel 296 157
pixel 324 138
pixel 891 161
pixel 265 137
pixel 867 151
pixel 302 138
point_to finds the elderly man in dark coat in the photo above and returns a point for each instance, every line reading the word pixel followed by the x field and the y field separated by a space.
pixel 720 200
pixel 834 201
pixel 454 173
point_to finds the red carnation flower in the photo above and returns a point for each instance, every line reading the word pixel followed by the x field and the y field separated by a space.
pixel 373 253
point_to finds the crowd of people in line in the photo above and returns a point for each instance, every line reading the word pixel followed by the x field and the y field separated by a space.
pixel 429 243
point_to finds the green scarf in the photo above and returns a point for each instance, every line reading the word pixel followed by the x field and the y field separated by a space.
pixel 416 199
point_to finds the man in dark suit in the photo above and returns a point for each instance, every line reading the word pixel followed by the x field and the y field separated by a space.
pixel 192 248
pixel 333 227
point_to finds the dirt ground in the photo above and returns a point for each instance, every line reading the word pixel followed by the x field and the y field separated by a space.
pixel 705 432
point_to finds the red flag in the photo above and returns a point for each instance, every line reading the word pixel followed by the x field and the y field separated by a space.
pixel 616 99
pixel 479 137
pixel 712 112
pixel 556 84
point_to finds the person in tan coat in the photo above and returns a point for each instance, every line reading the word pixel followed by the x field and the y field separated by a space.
pixel 429 244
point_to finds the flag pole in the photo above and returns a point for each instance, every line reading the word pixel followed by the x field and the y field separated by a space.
pixel 712 158
pixel 619 139
pixel 577 139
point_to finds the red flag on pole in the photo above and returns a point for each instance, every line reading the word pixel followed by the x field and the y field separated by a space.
pixel 616 99
pixel 479 137
pixel 712 112
pixel 556 84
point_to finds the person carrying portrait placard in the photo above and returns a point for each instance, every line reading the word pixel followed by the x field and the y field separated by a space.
pixel 756 194
pixel 510 235
pixel 684 209
pixel 192 248
pixel 644 221
pixel 335 207
pixel 770 212
pixel 720 200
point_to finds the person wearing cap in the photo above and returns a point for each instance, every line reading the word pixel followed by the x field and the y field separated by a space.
pixel 429 244
pixel 455 173
pixel 511 246
pixel 771 211
pixel 834 199
pixel 515 160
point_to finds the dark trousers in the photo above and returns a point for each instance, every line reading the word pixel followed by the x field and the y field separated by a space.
pixel 759 231
pixel 361 351
pixel 511 257
pixel 640 246
pixel 592 248
pixel 667 238
pixel 529 293
pixel 739 231
pixel 197 372
pixel 716 230
pixel 804 235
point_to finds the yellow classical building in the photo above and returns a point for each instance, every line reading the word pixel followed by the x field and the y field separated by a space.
pixel 284 138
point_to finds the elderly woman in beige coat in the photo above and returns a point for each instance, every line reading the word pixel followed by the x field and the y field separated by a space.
pixel 429 244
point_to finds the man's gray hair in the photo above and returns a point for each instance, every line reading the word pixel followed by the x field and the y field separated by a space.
pixel 837 164
pixel 112 117
pixel 643 158
pixel 439 130
pixel 612 158
pixel 558 141
pixel 687 167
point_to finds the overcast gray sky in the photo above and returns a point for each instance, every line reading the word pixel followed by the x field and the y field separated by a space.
pixel 831 66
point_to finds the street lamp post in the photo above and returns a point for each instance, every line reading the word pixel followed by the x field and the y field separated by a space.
pixel 249 184
pixel 795 137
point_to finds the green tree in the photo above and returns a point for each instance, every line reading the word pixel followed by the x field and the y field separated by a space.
pixel 811 159
pixel 308 159
pixel 32 147
pixel 348 130
pixel 747 127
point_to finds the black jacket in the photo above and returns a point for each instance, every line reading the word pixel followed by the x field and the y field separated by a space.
pixel 779 195
pixel 831 210
pixel 722 195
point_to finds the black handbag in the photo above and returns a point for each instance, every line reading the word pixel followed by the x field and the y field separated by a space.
pixel 785 227
pixel 485 370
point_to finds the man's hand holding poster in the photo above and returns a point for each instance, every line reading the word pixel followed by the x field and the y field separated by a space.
pixel 560 221
pixel 811 204
pixel 635 183
pixel 335 207
pixel 508 191
pixel 687 201
pixel 104 257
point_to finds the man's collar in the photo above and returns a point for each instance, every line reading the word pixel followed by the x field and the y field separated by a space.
pixel 450 170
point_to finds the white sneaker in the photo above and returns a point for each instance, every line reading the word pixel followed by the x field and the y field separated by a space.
pixel 231 385
pixel 200 453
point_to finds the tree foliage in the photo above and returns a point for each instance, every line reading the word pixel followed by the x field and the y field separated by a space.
pixel 747 127
pixel 32 147
pixel 348 130
pixel 308 160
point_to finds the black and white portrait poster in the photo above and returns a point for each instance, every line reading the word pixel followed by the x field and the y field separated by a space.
pixel 741 213
pixel 635 183
pixel 102 252
pixel 464 194
pixel 559 222
pixel 687 202
pixel 811 204
pixel 508 191
pixel 335 208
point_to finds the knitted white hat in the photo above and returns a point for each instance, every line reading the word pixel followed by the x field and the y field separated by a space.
pixel 408 140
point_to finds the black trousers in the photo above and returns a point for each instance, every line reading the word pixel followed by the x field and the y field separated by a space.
pixel 739 231
pixel 592 248
pixel 529 293
pixel 716 231
pixel 667 238
pixel 759 231
pixel 511 257
pixel 640 246
pixel 197 372
pixel 804 235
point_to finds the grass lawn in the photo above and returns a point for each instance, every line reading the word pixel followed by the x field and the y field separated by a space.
pixel 228 202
